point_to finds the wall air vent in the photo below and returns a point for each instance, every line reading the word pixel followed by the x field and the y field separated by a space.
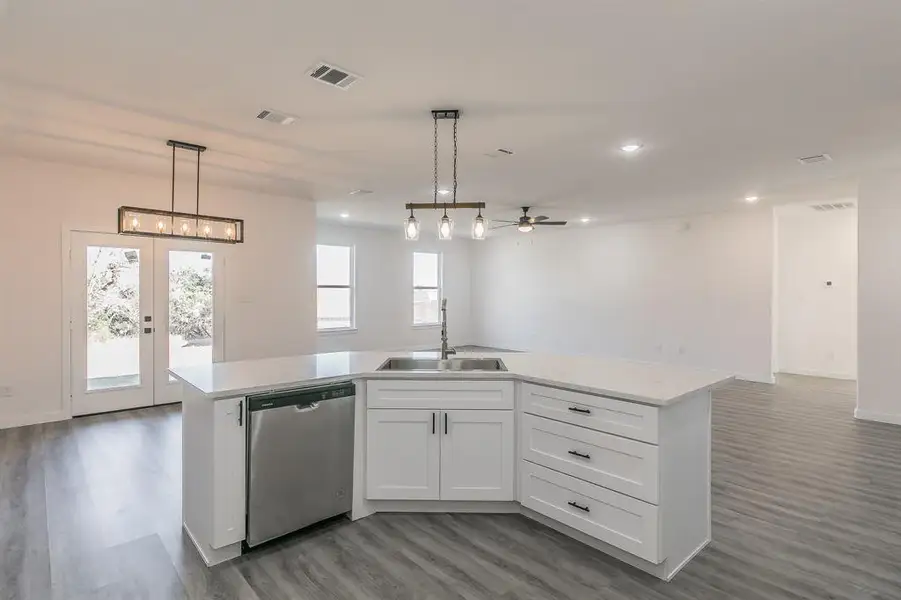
pixel 276 117
pixel 829 206
pixel 332 75
pixel 816 158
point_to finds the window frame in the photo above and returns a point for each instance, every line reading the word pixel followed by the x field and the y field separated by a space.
pixel 439 289
pixel 352 287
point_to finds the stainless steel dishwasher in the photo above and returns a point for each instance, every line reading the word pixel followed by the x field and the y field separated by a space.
pixel 300 459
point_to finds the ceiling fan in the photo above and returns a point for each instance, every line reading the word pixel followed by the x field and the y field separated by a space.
pixel 526 223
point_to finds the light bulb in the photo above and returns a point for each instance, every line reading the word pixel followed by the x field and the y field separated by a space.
pixel 135 223
pixel 206 230
pixel 229 232
pixel 478 228
pixel 160 226
pixel 411 228
pixel 445 228
pixel 184 228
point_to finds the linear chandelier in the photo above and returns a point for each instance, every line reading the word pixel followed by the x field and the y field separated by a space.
pixel 152 222
pixel 445 223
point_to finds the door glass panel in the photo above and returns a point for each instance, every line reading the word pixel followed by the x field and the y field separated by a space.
pixel 190 308
pixel 113 318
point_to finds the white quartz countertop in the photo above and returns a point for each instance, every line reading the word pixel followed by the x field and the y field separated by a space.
pixel 649 383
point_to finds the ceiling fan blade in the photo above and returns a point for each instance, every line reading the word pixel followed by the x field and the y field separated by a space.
pixel 550 223
pixel 504 221
pixel 502 226
pixel 540 218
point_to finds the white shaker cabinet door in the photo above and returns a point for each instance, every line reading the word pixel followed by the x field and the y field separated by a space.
pixel 477 455
pixel 229 439
pixel 402 454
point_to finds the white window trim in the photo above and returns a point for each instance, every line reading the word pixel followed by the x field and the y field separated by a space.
pixel 353 293
pixel 440 289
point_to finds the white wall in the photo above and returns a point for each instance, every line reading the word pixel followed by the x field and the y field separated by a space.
pixel 384 289
pixel 695 292
pixel 816 327
pixel 879 298
pixel 270 280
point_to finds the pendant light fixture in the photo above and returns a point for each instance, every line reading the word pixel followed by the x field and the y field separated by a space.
pixel 170 224
pixel 445 223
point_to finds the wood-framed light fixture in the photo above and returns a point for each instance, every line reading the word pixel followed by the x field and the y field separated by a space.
pixel 445 223
pixel 152 222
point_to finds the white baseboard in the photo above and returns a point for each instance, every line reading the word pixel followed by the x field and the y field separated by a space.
pixel 7 422
pixel 868 415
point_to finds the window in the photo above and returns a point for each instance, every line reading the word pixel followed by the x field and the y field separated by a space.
pixel 426 288
pixel 335 292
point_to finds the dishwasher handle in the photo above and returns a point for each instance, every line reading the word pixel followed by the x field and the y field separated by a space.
pixel 302 408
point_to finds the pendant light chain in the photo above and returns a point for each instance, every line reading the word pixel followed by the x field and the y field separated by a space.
pixel 455 162
pixel 435 162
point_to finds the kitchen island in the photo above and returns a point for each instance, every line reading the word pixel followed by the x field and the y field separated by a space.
pixel 613 453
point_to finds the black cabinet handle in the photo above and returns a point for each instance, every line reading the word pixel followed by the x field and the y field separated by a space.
pixel 445 423
pixel 433 423
pixel 240 413
pixel 579 454
pixel 579 506
pixel 581 411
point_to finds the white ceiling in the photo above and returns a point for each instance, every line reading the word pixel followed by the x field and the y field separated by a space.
pixel 723 94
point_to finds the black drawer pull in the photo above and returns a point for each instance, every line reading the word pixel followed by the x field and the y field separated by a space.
pixel 579 454
pixel 581 411
pixel 579 506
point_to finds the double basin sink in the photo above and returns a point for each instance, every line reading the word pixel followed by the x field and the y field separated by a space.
pixel 439 365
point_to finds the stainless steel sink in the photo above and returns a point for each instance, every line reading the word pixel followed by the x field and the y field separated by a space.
pixel 436 364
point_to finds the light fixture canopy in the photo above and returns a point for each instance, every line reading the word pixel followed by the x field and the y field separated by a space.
pixel 150 222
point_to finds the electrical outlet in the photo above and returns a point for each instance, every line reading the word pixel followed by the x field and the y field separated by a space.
pixel 6 391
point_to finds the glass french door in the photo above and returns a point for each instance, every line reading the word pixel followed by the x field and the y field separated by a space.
pixel 139 306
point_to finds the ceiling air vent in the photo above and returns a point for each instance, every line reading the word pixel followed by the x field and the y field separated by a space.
pixel 332 75
pixel 276 117
pixel 816 158
pixel 828 206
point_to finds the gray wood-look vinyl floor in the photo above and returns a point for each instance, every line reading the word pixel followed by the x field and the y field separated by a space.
pixel 806 505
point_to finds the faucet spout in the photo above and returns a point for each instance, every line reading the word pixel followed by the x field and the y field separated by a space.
pixel 445 350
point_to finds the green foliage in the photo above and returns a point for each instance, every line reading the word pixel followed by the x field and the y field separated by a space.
pixel 114 309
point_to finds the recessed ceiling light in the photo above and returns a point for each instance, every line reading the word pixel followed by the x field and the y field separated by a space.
pixel 630 148
pixel 344 215
pixel 585 219
pixel 360 192
pixel 751 199
pixel 444 192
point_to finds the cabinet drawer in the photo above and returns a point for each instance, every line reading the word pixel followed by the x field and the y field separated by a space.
pixel 618 520
pixel 439 395
pixel 613 462
pixel 627 419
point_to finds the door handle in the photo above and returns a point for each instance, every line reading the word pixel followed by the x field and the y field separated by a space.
pixel 579 454
pixel 445 423
pixel 433 424
pixel 579 506
pixel 581 411
pixel 307 408
pixel 240 413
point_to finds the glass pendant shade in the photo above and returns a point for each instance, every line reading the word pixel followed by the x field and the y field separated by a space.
pixel 411 228
pixel 478 228
pixel 525 227
pixel 445 228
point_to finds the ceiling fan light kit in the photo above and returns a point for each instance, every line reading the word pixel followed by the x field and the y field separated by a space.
pixel 526 224
pixel 152 222
pixel 445 223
